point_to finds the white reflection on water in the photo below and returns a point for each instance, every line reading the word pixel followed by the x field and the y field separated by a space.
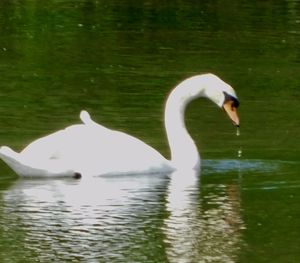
pixel 108 219
pixel 158 218
pixel 202 228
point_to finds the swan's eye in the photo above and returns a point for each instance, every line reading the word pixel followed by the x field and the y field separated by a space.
pixel 233 101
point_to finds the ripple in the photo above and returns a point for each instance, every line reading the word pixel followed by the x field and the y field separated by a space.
pixel 251 165
pixel 101 219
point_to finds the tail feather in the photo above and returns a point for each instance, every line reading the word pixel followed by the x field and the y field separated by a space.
pixel 87 120
pixel 24 167
pixel 85 117
pixel 10 157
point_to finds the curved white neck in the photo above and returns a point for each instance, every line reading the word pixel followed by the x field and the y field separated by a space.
pixel 184 153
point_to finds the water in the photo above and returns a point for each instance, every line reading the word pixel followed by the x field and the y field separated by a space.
pixel 119 60
pixel 239 152
pixel 238 133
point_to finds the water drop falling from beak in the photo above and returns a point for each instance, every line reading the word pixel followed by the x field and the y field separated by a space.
pixel 238 133
pixel 240 153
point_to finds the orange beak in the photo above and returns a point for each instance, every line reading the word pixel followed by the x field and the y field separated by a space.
pixel 231 110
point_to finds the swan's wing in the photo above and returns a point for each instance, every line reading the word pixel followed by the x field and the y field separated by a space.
pixel 73 141
pixel 90 149
pixel 118 153
pixel 72 137
pixel 46 147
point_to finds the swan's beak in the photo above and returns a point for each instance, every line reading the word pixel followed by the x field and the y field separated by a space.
pixel 230 108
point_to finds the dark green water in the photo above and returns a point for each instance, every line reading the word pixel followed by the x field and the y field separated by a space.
pixel 118 60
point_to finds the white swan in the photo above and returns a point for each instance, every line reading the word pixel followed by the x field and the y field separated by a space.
pixel 92 149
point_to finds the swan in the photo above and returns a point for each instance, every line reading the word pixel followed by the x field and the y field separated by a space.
pixel 90 149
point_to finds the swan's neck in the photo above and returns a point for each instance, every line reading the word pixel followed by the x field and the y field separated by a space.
pixel 184 153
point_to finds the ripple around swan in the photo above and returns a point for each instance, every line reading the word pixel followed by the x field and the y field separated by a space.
pixel 254 175
pixel 247 165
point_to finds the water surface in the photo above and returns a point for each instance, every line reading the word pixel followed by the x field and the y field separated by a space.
pixel 119 60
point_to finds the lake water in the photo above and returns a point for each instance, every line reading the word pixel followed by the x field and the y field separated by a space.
pixel 119 60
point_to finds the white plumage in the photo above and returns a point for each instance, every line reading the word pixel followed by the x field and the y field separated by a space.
pixel 91 149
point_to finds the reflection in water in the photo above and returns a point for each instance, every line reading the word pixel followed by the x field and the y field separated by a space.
pixel 181 227
pixel 103 218
pixel 202 229
pixel 121 219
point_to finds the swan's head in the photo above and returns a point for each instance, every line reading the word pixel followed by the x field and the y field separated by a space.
pixel 223 95
pixel 209 86
pixel 230 106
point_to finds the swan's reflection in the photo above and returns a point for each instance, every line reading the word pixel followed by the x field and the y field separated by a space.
pixel 202 227
pixel 121 219
pixel 102 219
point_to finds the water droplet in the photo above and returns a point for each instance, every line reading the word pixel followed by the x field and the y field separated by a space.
pixel 238 133
pixel 240 153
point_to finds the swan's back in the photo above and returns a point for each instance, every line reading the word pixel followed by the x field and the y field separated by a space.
pixel 96 150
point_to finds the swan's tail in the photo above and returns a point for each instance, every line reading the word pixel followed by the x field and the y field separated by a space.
pixel 10 157
pixel 85 117
pixel 24 168
pixel 87 120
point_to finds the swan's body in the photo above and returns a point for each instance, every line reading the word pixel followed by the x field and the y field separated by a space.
pixel 92 149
